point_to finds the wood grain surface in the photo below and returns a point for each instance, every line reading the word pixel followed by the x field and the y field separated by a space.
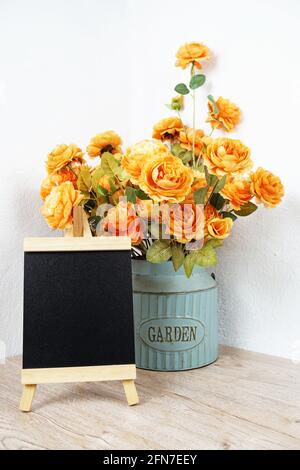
pixel 243 401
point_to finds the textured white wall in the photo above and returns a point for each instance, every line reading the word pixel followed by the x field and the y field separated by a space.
pixel 69 69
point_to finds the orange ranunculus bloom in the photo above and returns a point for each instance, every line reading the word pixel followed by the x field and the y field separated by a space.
pixel 227 117
pixel 58 205
pixel 55 179
pixel 237 191
pixel 186 137
pixel 192 53
pixel 107 141
pixel 267 187
pixel 62 155
pixel 165 178
pixel 168 128
pixel 227 156
pixel 219 228
pixel 210 212
pixel 122 220
pixel 136 156
pixel 183 221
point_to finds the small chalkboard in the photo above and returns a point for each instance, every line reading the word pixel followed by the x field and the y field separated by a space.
pixel 78 315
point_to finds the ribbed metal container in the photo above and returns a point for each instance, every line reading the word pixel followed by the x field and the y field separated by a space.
pixel 176 324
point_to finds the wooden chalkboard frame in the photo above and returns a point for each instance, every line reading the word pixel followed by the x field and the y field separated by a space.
pixel 78 238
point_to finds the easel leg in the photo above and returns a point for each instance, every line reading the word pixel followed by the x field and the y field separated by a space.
pixel 27 397
pixel 130 392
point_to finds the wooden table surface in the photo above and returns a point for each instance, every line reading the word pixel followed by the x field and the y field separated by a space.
pixel 243 401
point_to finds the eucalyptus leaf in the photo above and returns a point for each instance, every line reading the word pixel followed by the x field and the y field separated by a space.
pixel 246 209
pixel 159 252
pixel 177 256
pixel 197 81
pixel 182 89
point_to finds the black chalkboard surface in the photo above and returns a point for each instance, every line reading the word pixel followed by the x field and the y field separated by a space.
pixel 77 309
pixel 78 313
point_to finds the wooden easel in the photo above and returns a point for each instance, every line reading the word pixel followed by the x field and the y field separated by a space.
pixel 126 373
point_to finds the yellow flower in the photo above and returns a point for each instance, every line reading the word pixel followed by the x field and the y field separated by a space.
pixel 107 141
pixel 165 178
pixel 227 117
pixel 267 187
pixel 237 191
pixel 183 221
pixel 167 128
pixel 62 155
pixel 136 156
pixel 227 156
pixel 58 205
pixel 186 138
pixel 192 53
pixel 219 228
pixel 55 179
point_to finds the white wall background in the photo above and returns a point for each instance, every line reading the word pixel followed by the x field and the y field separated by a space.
pixel 70 69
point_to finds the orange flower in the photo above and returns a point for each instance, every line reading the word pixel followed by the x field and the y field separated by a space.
pixel 184 221
pixel 136 156
pixel 227 117
pixel 210 212
pixel 62 155
pixel 219 228
pixel 267 187
pixel 122 220
pixel 192 53
pixel 167 128
pixel 227 156
pixel 145 208
pixel 55 179
pixel 186 138
pixel 58 205
pixel 107 141
pixel 165 178
pixel 237 191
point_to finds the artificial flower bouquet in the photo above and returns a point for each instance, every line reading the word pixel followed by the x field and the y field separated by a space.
pixel 176 195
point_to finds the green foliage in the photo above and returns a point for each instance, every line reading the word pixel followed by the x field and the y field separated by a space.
pixel 130 193
pixel 215 108
pixel 97 174
pixel 182 89
pixel 141 195
pixel 111 166
pixel 177 256
pixel 246 209
pixel 217 201
pixel 84 180
pixel 206 256
pixel 197 81
pixel 185 155
pixel 229 214
pixel 220 184
pixel 200 194
pixel 159 252
pixel 189 263
pixel 102 191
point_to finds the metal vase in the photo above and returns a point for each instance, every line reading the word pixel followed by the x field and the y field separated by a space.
pixel 176 324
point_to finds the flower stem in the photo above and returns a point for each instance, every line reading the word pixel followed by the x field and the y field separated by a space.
pixel 194 116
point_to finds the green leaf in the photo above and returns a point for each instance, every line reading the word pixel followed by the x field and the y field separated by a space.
pixel 141 195
pixel 111 166
pixel 176 149
pixel 214 104
pixel 177 256
pixel 206 257
pixel 220 184
pixel 182 89
pixel 84 180
pixel 214 242
pixel 229 214
pixel 112 185
pixel 246 209
pixel 200 194
pixel 186 156
pixel 189 263
pixel 169 106
pixel 97 174
pixel 197 81
pixel 159 252
pixel 207 175
pixel 217 201
pixel 102 191
pixel 130 193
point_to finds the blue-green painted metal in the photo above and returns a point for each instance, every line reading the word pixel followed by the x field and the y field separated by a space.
pixel 176 324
